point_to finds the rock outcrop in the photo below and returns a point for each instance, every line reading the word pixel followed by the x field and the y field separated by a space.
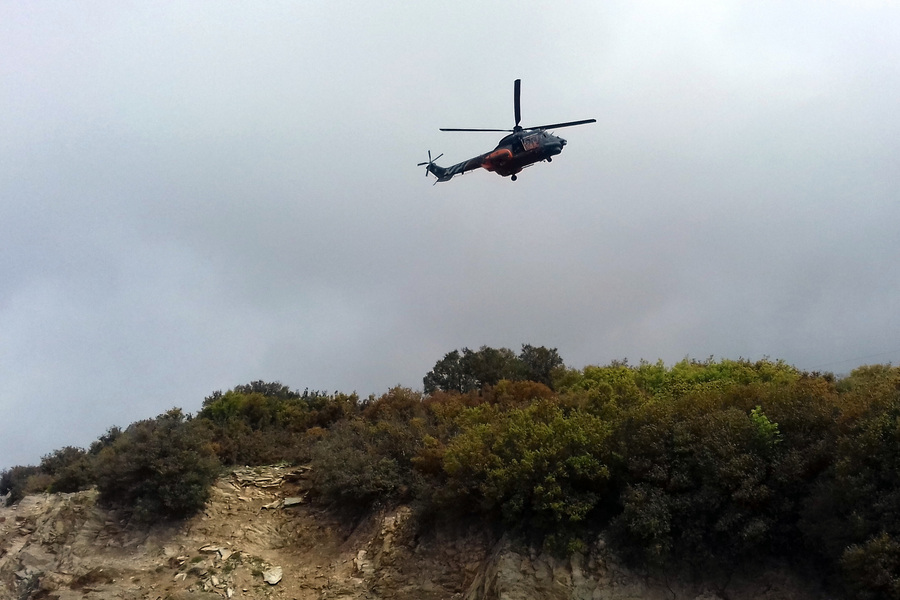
pixel 259 538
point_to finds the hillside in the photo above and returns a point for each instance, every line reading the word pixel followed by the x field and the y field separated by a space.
pixel 700 473
pixel 64 546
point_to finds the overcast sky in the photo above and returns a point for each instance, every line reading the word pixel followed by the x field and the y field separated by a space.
pixel 196 195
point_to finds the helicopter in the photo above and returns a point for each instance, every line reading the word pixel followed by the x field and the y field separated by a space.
pixel 523 147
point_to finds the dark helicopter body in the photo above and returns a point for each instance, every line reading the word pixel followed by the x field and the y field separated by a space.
pixel 514 152
pixel 523 147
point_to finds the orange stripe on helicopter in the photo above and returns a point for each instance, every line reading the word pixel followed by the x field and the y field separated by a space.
pixel 496 159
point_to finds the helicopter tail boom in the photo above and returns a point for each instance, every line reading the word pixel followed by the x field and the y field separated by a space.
pixel 447 173
pixel 438 171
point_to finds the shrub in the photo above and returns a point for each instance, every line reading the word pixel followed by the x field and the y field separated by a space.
pixel 262 423
pixel 71 469
pixel 540 467
pixel 858 498
pixel 39 483
pixel 398 404
pixel 605 391
pixel 516 394
pixel 697 482
pixel 157 468
pixel 872 570
pixel 14 481
pixel 369 459
pixel 236 443
pixel 351 469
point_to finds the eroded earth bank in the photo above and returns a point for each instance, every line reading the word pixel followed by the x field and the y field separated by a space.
pixel 259 538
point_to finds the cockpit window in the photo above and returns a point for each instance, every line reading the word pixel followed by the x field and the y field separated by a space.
pixel 532 141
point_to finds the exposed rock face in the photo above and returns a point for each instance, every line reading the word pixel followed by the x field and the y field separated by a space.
pixel 258 539
pixel 513 574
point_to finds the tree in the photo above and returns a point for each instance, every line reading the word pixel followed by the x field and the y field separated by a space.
pixel 470 370
pixel 450 374
pixel 489 366
pixel 539 363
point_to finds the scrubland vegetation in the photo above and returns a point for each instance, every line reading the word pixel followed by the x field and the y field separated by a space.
pixel 702 464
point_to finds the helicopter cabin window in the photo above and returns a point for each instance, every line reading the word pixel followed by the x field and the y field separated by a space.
pixel 532 141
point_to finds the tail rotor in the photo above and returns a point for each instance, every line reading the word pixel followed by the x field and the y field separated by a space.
pixel 429 163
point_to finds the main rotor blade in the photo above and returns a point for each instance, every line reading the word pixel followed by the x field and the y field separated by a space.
pixel 451 129
pixel 516 94
pixel 566 124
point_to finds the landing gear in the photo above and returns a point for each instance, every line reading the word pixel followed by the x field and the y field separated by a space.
pixel 549 159
pixel 513 178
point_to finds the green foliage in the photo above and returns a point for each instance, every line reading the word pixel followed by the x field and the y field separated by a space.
pixel 263 423
pixel 872 569
pixel 471 370
pixel 157 468
pixel 859 496
pixel 653 380
pixel 105 440
pixel 262 406
pixel 350 471
pixel 451 374
pixel 369 459
pixel 236 443
pixel 868 391
pixel 14 481
pixel 516 394
pixel 398 405
pixel 605 390
pixel 489 366
pixel 70 468
pixel 540 364
pixel 538 466
pixel 696 485
pixel 767 433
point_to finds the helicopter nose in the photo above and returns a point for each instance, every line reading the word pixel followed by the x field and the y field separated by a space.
pixel 562 141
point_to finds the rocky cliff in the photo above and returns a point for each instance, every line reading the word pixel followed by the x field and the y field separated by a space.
pixel 258 538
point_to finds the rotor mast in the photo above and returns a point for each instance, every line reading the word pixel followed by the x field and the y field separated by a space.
pixel 517 92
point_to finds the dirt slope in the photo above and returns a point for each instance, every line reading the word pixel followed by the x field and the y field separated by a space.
pixel 258 539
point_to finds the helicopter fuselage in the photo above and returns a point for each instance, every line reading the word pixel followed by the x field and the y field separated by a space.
pixel 521 149
pixel 513 153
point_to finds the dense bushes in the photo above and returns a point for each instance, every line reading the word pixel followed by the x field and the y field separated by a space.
pixel 698 481
pixel 157 468
pixel 15 482
pixel 704 463
pixel 160 467
pixel 70 468
pixel 369 459
pixel 263 423
pixel 544 469
pixel 872 569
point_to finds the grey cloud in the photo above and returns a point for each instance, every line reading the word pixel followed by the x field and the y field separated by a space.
pixel 196 196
